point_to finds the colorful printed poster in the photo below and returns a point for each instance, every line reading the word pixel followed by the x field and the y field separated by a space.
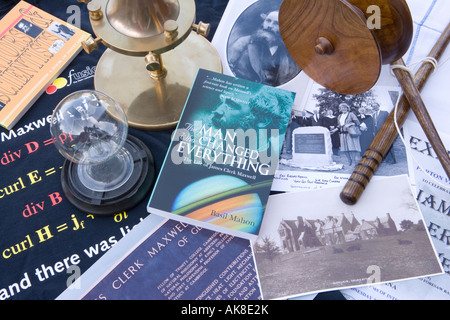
pixel 170 260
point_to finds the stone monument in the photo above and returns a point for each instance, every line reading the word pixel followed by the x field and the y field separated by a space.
pixel 311 147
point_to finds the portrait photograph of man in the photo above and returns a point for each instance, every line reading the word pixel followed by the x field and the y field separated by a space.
pixel 255 49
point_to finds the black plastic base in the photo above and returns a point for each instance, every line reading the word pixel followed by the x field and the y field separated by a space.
pixel 123 198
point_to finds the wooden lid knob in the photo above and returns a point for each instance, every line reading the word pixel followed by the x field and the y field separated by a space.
pixel 324 46
pixel 329 40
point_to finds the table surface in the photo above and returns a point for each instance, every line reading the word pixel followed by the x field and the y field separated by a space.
pixel 37 224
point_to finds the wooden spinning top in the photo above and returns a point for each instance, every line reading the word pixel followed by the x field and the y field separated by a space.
pixel 342 44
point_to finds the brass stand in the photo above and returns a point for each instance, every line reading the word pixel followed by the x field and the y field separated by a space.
pixel 152 102
pixel 152 58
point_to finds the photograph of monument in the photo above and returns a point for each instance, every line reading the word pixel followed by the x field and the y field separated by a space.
pixel 328 134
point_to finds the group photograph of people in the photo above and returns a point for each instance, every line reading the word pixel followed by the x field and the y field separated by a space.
pixel 352 121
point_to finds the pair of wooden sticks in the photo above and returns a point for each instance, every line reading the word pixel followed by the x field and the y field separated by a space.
pixel 385 137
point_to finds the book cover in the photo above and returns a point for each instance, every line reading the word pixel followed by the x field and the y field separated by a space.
pixel 219 168
pixel 34 47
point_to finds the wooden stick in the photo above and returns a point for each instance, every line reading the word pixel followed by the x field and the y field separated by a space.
pixel 418 107
pixel 387 134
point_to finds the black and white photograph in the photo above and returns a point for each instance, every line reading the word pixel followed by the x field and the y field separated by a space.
pixel 61 31
pixel 28 28
pixel 255 49
pixel 328 135
pixel 250 45
pixel 56 46
pixel 307 244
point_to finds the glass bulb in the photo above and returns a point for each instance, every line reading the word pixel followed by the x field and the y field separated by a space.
pixel 89 128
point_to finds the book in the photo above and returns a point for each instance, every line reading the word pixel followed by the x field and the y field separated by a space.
pixel 185 263
pixel 224 152
pixel 35 47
